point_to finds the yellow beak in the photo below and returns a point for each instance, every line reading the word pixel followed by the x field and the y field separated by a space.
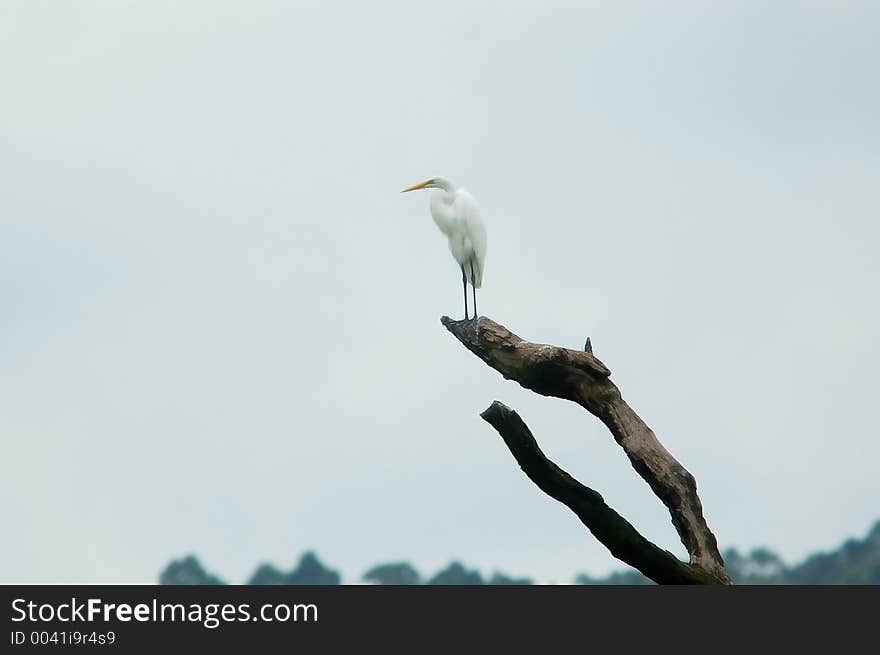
pixel 415 187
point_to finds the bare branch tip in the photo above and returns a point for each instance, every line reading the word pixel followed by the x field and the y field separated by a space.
pixel 495 409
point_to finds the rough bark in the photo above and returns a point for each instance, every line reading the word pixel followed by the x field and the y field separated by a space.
pixel 580 377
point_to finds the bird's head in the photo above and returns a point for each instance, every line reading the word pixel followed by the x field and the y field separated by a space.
pixel 433 183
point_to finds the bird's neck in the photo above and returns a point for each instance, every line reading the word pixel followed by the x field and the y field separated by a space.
pixel 444 185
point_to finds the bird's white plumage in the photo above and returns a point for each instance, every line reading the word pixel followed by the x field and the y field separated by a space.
pixel 456 213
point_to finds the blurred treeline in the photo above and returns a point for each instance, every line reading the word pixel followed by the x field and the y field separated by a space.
pixel 857 561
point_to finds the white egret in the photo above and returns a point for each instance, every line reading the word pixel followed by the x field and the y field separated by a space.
pixel 455 212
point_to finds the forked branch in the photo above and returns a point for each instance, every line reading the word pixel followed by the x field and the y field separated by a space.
pixel 609 527
pixel 580 377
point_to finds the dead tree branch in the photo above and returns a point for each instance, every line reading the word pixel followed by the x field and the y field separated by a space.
pixel 580 377
pixel 609 527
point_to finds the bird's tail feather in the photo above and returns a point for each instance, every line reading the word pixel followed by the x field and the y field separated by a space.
pixel 477 279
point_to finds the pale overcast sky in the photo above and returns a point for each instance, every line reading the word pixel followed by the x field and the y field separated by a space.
pixel 220 329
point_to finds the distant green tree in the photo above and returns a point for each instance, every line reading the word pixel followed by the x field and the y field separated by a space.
pixel 399 573
pixel 267 574
pixel 456 574
pixel 855 562
pixel 631 577
pixel 187 571
pixel 309 571
pixel 499 578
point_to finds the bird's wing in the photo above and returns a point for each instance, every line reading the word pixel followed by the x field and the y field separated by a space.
pixel 475 230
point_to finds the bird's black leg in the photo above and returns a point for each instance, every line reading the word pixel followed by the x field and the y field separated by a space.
pixel 474 287
pixel 464 284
